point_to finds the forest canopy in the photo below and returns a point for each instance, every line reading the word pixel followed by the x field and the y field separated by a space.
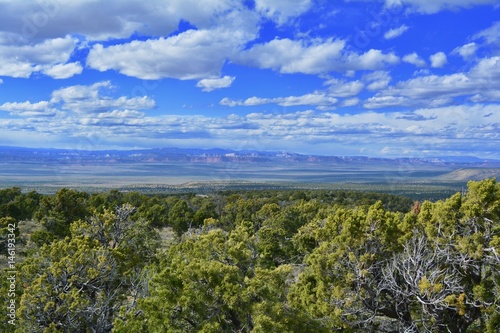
pixel 252 261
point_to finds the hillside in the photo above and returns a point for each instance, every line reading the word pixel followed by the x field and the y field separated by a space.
pixel 466 174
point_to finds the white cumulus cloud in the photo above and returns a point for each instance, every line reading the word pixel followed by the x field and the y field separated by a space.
pixel 490 35
pixel 282 10
pixel 317 56
pixel 213 84
pixel 479 84
pixel 28 109
pixel 377 80
pixel 396 32
pixel 438 60
pixel 63 71
pixel 414 59
pixel 22 59
pixel 466 51
pixel 93 99
pixel 341 88
pixel 193 54
pixel 95 20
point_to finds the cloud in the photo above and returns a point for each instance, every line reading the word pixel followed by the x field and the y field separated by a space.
pixel 466 51
pixel 377 80
pixel 117 19
pixel 316 99
pixel 486 76
pixel 282 11
pixel 79 111
pixel 434 6
pixel 380 101
pixel 326 99
pixel 182 40
pixel 193 54
pixel 487 36
pixel 293 56
pixel 63 71
pixel 22 59
pixel 351 102
pixel 213 84
pixel 341 88
pixel 490 35
pixel 478 85
pixel 316 56
pixel 114 118
pixel 396 32
pixel 430 129
pixel 27 109
pixel 414 59
pixel 438 60
pixel 434 129
pixel 371 60
pixel 35 36
pixel 121 114
pixel 91 99
pixel 431 90
pixel 488 69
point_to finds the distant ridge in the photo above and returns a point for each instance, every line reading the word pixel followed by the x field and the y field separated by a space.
pixel 217 155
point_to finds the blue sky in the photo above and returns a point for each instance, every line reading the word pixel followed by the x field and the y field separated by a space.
pixel 393 78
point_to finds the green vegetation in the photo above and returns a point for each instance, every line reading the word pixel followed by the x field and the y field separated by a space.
pixel 252 261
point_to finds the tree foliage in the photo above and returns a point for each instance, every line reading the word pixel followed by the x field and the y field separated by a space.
pixel 213 282
pixel 79 283
pixel 437 271
pixel 257 261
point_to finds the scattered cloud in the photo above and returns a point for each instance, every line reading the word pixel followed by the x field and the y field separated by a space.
pixel 466 51
pixel 377 80
pixel 438 60
pixel 314 99
pixel 21 59
pixel 381 101
pixel 434 6
pixel 194 54
pixel 63 71
pixel 116 19
pixel 490 35
pixel 479 85
pixel 282 11
pixel 371 60
pixel 414 59
pixel 213 84
pixel 300 54
pixel 396 32
pixel 27 109
pixel 294 56
pixel 341 88
pixel 351 102
pixel 432 128
pixel 326 99
pixel 92 99
pixel 313 57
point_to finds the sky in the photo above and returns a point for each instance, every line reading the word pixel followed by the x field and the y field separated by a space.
pixel 387 78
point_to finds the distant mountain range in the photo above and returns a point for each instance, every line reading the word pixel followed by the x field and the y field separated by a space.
pixel 217 155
